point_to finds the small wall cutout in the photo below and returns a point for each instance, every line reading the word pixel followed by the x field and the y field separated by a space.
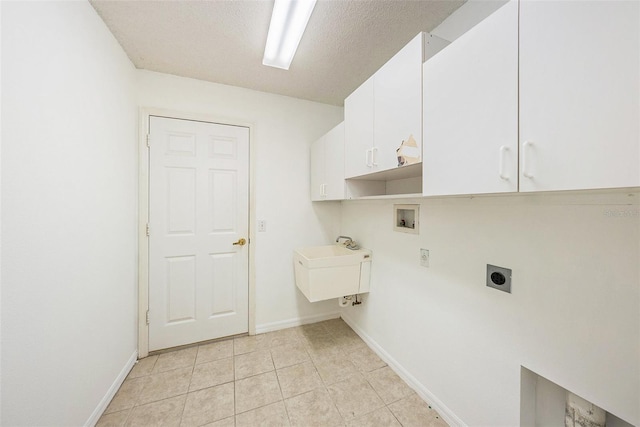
pixel 406 218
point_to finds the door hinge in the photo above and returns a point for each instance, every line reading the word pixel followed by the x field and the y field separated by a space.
pixel 147 317
pixel 147 229
pixel 148 140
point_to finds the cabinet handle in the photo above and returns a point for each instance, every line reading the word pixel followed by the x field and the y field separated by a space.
pixel 369 159
pixel 374 157
pixel 525 157
pixel 324 190
pixel 503 153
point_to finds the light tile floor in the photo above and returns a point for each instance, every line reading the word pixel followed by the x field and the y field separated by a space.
pixel 320 374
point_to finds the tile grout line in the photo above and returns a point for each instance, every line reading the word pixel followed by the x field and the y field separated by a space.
pixel 139 394
pixel 184 407
pixel 146 383
pixel 233 370
pixel 281 393
pixel 326 389
pixel 234 402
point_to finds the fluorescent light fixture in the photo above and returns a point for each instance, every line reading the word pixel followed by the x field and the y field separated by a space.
pixel 288 22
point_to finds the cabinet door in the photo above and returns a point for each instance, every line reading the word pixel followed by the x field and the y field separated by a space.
pixel 470 140
pixel 579 95
pixel 358 122
pixel 317 169
pixel 334 164
pixel 398 104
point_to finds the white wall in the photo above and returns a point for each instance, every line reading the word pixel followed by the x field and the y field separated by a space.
pixel 283 130
pixel 0 217
pixel 572 316
pixel 68 212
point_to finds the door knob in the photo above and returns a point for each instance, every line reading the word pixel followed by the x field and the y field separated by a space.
pixel 241 242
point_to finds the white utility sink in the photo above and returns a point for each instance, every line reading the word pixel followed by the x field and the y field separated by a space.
pixel 332 271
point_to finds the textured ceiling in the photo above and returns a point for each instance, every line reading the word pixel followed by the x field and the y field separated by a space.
pixel 222 41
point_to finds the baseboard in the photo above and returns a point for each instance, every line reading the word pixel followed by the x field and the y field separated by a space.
pixel 102 406
pixel 297 321
pixel 419 388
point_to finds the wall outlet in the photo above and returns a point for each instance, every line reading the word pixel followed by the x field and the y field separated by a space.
pixel 499 278
pixel 424 257
pixel 262 225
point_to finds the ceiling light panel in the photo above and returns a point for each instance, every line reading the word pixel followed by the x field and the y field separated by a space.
pixel 288 22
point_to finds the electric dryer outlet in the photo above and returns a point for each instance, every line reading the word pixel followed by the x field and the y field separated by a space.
pixel 499 278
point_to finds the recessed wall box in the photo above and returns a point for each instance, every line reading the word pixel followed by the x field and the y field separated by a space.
pixel 406 218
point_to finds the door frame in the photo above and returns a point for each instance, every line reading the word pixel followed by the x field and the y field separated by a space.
pixel 143 214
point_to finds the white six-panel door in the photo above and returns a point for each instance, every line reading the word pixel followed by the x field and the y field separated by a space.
pixel 198 209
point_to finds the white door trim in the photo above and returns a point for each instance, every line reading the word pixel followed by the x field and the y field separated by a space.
pixel 143 215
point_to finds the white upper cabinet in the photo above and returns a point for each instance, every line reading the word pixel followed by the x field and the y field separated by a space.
pixel 579 95
pixel 327 166
pixel 334 164
pixel 385 112
pixel 470 92
pixel 317 169
pixel 358 130
pixel 398 105
pixel 568 93
pixel 539 96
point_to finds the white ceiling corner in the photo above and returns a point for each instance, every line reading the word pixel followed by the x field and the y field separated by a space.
pixel 222 41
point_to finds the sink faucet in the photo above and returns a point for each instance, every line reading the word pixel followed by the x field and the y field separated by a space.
pixel 349 243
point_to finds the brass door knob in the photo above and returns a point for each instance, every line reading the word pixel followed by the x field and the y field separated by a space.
pixel 241 242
